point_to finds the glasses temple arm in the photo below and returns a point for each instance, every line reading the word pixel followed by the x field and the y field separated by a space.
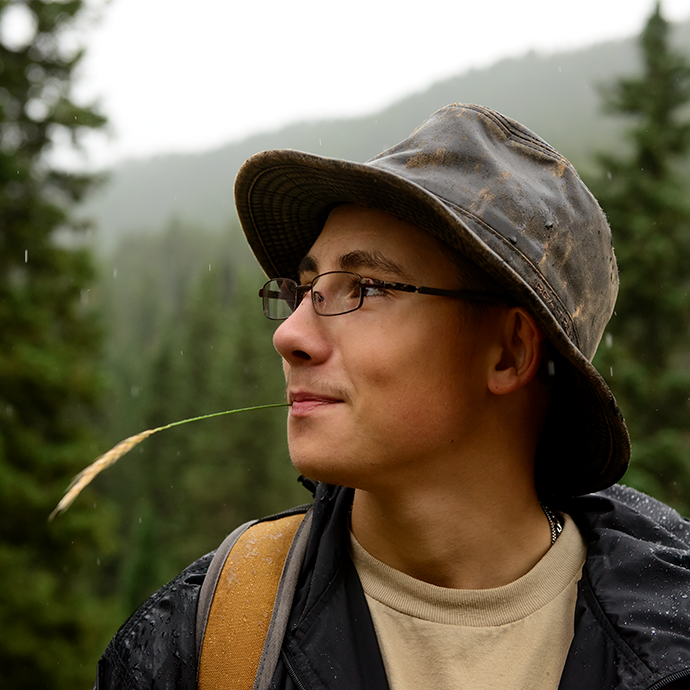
pixel 463 294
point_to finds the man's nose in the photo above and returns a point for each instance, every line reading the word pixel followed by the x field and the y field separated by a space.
pixel 302 337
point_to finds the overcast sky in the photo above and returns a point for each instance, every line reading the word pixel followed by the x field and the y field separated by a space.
pixel 176 75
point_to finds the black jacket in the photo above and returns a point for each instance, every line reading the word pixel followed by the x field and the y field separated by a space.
pixel 632 618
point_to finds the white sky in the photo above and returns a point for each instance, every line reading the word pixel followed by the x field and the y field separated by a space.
pixel 175 75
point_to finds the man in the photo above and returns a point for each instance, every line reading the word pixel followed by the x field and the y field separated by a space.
pixel 441 305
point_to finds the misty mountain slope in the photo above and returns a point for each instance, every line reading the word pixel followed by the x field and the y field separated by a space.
pixel 555 95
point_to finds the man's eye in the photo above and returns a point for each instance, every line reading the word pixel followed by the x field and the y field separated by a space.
pixel 373 290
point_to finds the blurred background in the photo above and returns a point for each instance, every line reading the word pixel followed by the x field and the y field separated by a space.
pixel 128 297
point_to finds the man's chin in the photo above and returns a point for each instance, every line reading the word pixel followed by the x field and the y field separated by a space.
pixel 322 469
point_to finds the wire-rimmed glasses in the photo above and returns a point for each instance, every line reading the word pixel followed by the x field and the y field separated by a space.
pixel 340 292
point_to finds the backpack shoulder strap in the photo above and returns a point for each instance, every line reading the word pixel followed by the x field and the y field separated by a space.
pixel 245 602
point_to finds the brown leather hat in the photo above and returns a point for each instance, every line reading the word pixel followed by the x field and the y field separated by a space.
pixel 492 189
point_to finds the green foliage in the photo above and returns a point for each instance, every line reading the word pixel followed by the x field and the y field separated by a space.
pixel 646 196
pixel 51 617
pixel 188 338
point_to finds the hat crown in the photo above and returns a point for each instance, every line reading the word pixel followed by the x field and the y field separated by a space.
pixel 523 200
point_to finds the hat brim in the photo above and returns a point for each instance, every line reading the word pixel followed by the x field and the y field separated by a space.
pixel 283 198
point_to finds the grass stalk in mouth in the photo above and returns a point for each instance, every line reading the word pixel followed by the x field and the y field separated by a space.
pixel 88 474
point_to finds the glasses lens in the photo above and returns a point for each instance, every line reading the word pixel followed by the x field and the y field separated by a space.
pixel 279 298
pixel 335 293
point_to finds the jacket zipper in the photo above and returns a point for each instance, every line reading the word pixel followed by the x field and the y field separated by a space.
pixel 670 679
pixel 291 671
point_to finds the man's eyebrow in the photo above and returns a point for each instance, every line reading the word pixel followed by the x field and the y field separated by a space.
pixel 374 261
pixel 356 261
pixel 307 265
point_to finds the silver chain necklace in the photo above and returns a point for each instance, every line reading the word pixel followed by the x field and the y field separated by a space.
pixel 555 524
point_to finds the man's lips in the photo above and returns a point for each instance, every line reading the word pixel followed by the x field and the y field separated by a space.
pixel 303 403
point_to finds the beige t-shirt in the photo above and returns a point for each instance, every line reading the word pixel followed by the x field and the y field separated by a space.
pixel 514 637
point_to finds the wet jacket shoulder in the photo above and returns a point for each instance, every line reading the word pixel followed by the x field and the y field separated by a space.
pixel 155 648
pixel 632 619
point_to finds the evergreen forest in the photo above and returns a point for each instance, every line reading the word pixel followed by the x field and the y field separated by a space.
pixel 151 315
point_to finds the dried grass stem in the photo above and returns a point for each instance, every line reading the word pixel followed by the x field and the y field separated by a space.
pixel 88 474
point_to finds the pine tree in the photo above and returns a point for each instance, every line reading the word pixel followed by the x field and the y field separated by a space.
pixel 50 617
pixel 647 200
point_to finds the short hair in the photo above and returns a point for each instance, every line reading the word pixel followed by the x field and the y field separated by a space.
pixel 473 278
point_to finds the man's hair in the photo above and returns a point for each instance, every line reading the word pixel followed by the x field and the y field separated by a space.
pixel 472 278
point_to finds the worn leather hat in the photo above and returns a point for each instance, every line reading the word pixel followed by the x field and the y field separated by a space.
pixel 508 201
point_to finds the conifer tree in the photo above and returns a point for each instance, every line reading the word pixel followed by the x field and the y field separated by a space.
pixel 647 199
pixel 51 619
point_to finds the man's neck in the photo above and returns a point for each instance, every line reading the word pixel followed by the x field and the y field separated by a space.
pixel 452 538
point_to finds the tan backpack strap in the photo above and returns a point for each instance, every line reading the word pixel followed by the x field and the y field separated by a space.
pixel 242 607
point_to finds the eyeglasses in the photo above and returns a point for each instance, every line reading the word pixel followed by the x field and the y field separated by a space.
pixel 340 292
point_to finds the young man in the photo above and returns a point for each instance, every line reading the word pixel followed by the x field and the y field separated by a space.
pixel 441 305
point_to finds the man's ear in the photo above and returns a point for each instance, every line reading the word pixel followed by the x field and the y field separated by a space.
pixel 520 352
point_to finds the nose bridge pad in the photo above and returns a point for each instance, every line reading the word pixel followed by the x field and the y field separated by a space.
pixel 316 299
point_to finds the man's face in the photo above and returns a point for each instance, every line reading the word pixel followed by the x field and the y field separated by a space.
pixel 394 390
